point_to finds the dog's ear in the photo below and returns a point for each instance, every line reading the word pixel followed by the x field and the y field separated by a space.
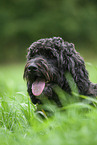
pixel 24 75
pixel 25 71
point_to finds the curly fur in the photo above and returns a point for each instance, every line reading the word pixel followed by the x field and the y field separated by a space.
pixel 50 59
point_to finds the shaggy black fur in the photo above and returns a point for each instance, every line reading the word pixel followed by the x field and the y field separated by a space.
pixel 48 60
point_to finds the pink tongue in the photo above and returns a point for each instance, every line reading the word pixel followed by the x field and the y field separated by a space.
pixel 37 87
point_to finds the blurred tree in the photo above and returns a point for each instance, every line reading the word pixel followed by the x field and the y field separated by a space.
pixel 25 21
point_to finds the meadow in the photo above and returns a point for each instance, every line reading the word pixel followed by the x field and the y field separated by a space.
pixel 74 124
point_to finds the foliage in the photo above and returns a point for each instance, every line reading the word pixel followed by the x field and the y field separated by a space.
pixel 25 21
pixel 75 123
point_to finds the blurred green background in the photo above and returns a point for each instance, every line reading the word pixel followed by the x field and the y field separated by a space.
pixel 25 21
pixel 21 23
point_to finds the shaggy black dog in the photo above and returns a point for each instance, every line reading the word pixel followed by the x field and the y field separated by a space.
pixel 47 62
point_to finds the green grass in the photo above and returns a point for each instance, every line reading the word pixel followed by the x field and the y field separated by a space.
pixel 74 124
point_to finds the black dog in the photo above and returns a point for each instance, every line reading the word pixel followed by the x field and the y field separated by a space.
pixel 47 62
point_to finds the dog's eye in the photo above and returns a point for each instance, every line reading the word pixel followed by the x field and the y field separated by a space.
pixel 32 68
pixel 52 56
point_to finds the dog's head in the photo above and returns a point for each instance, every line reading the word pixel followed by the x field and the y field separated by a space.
pixel 40 71
pixel 46 64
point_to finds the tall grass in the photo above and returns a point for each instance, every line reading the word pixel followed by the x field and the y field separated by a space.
pixel 20 123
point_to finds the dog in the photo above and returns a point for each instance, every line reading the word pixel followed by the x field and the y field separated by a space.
pixel 47 62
